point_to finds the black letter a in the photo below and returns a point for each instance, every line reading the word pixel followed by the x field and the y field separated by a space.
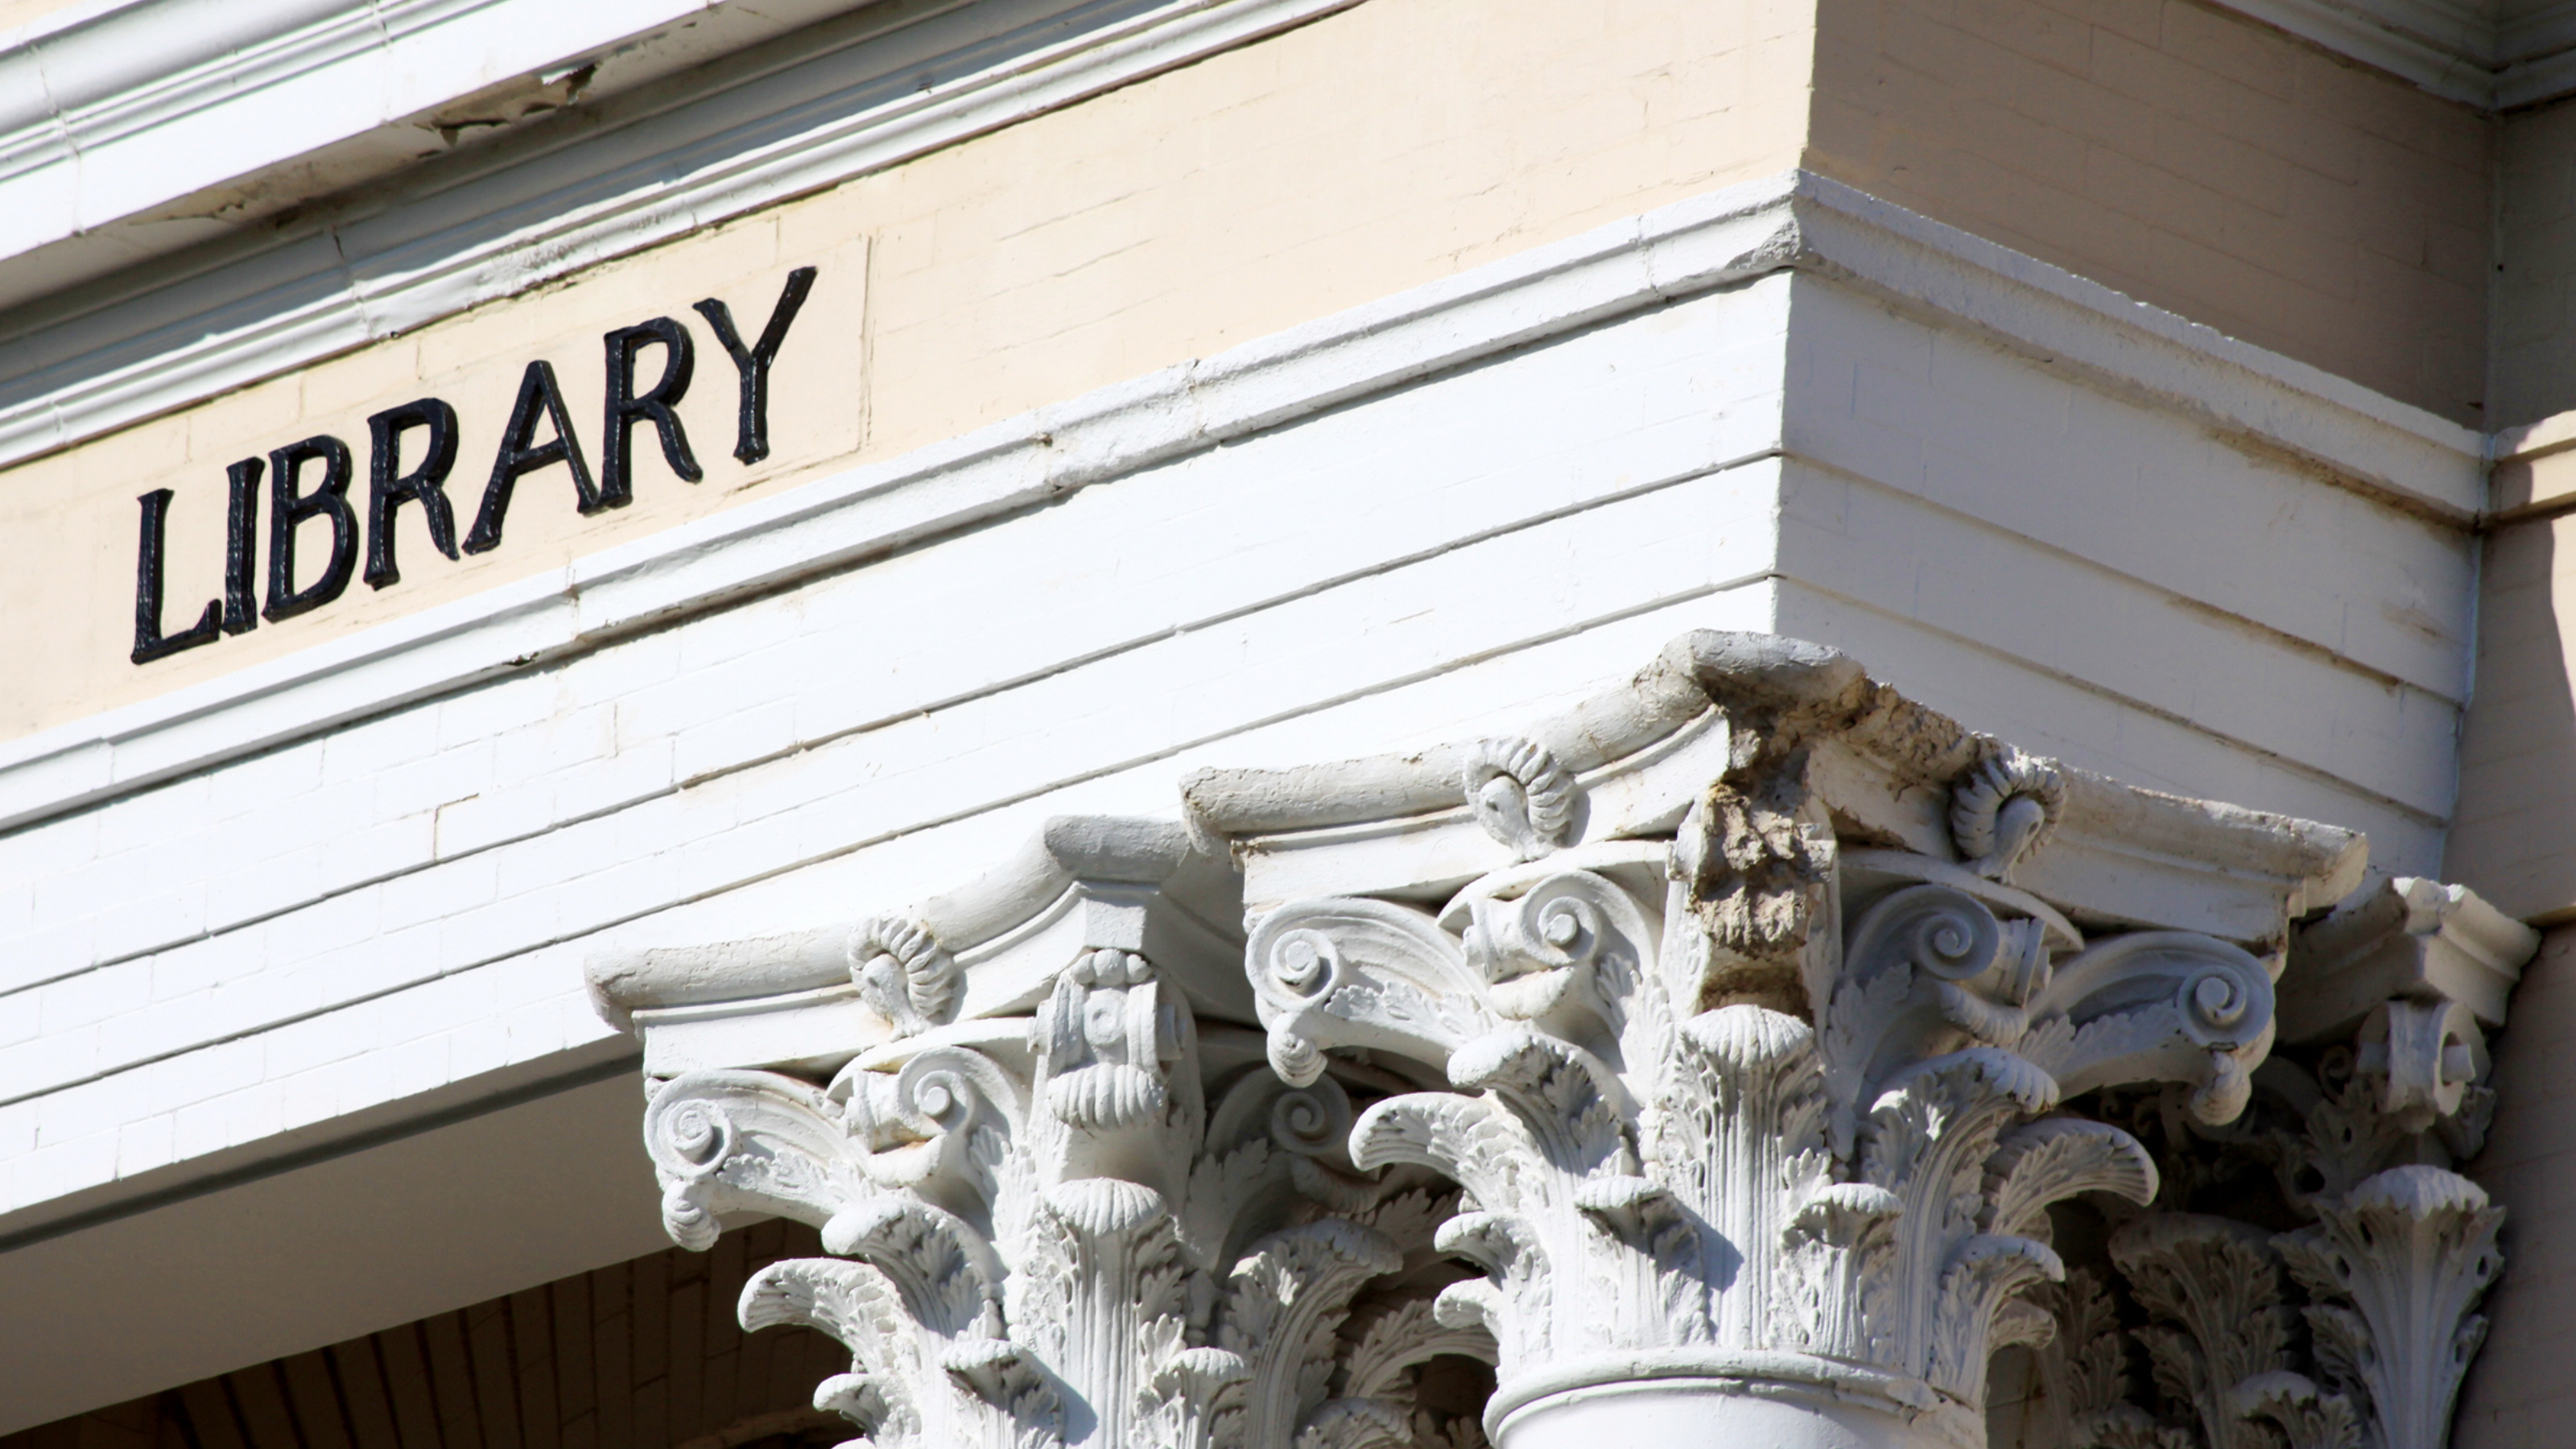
pixel 537 392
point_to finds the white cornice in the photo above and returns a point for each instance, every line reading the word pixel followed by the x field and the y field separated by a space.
pixel 217 91
pixel 755 137
pixel 2457 53
pixel 2399 453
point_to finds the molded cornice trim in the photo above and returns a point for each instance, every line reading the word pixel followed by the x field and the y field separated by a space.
pixel 753 136
pixel 2405 456
pixel 2453 52
pixel 184 75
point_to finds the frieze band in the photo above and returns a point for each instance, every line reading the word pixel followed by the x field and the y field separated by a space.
pixel 308 481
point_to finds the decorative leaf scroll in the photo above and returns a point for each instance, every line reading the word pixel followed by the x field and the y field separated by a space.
pixel 1072 1254
pixel 2157 1006
pixel 726 1141
pixel 1350 972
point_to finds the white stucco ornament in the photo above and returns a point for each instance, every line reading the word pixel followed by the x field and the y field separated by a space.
pixel 1710 1066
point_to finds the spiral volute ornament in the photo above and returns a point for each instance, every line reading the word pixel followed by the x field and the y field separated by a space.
pixel 2224 1006
pixel 1934 929
pixel 1303 963
pixel 698 1136
pixel 690 1140
pixel 1312 1121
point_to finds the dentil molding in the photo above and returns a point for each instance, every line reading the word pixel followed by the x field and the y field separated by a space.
pixel 1745 1057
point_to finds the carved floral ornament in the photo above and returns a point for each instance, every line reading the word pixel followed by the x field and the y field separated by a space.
pixel 1749 1057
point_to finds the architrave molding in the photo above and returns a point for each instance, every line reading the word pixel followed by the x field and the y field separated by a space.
pixel 87 77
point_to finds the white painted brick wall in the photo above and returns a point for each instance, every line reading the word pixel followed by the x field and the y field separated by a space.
pixel 2193 613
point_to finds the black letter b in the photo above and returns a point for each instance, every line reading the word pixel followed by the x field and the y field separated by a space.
pixel 286 509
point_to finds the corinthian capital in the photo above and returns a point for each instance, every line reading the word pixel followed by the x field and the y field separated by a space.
pixel 1062 1211
pixel 1742 1058
pixel 1753 993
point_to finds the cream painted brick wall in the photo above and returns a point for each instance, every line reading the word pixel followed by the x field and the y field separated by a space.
pixel 2519 1394
pixel 2189 157
pixel 2535 315
pixel 2518 748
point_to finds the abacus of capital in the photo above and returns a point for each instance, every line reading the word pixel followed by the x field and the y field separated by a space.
pixel 1748 1057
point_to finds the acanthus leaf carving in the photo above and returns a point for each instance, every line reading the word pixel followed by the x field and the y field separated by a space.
pixel 1872 1189
pixel 2213 1288
pixel 2307 1416
pixel 1071 1252
pixel 2394 1269
pixel 1284 1303
pixel 908 1387
pixel 1775 1081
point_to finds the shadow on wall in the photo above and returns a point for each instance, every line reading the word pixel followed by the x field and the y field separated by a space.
pixel 2513 832
pixel 638 1355
pixel 2515 843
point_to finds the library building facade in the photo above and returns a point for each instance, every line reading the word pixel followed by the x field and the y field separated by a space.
pixel 1287 724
